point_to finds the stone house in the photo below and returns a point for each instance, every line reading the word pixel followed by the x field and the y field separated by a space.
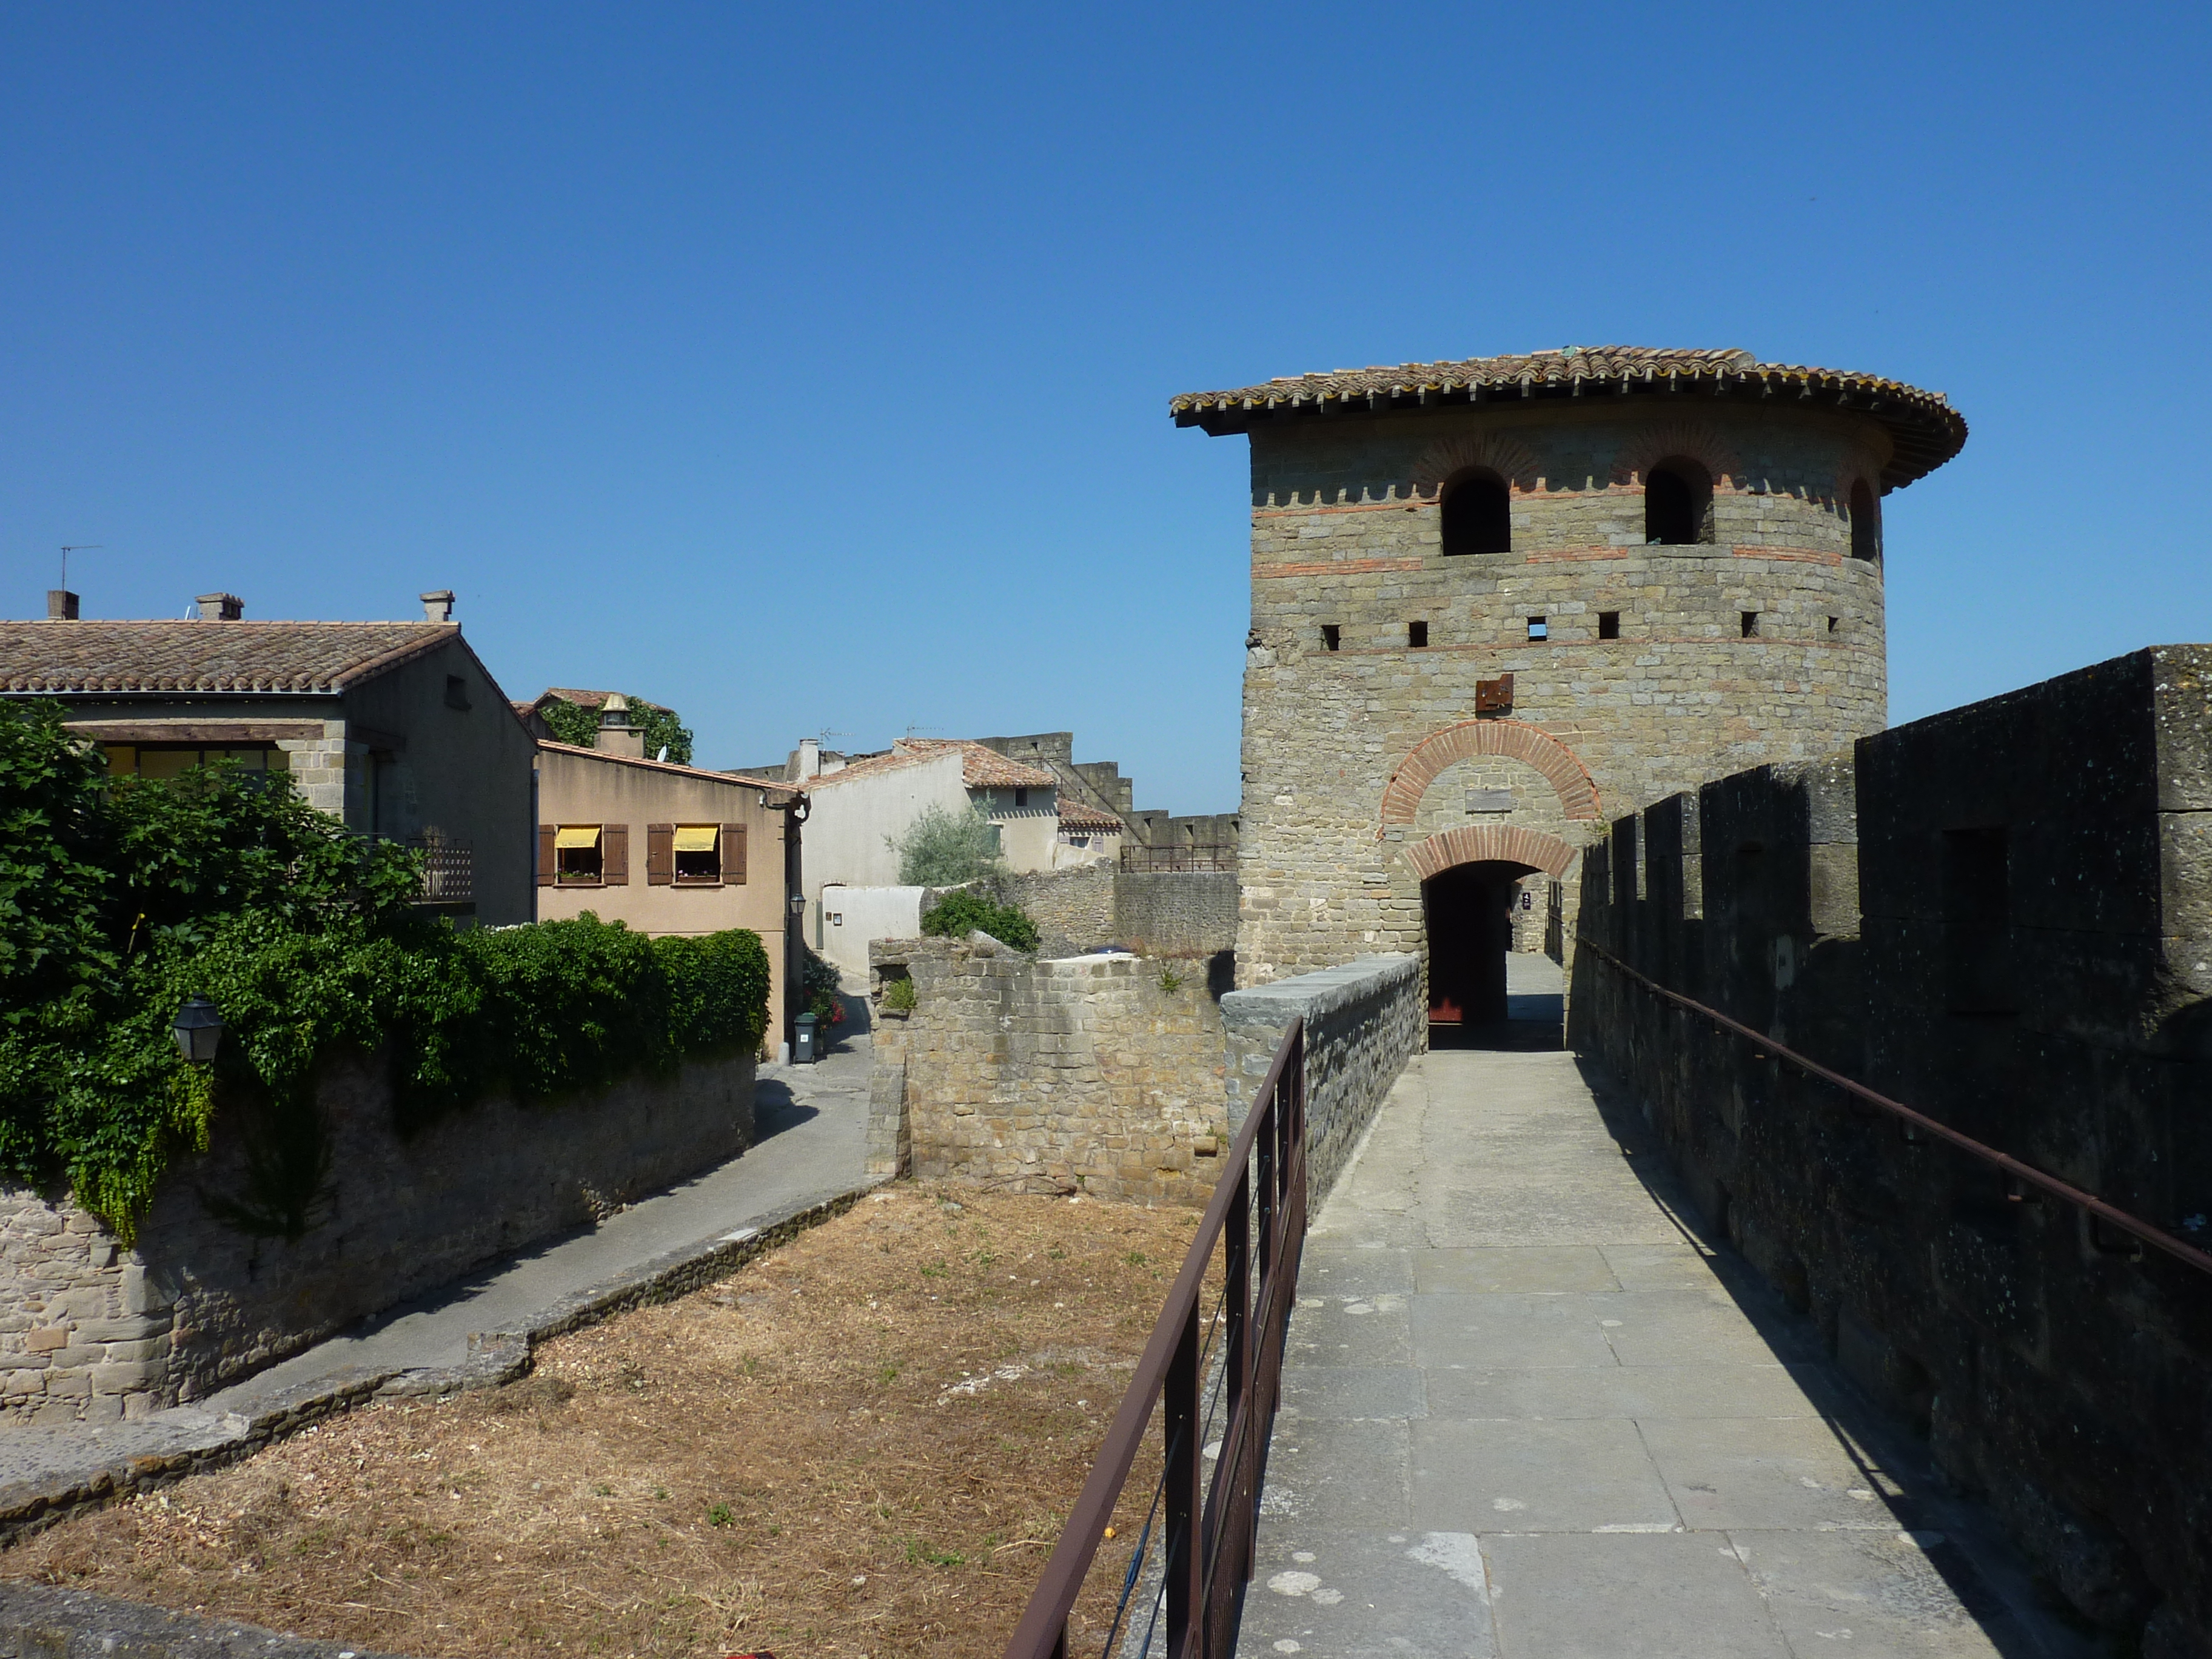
pixel 1495 602
pixel 669 849
pixel 396 728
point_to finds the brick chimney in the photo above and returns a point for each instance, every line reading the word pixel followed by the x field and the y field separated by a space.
pixel 438 606
pixel 616 735
pixel 60 604
pixel 220 607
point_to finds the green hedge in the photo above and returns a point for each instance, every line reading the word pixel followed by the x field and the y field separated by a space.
pixel 119 900
pixel 958 915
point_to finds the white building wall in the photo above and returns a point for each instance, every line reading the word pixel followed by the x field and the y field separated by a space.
pixel 851 916
pixel 848 819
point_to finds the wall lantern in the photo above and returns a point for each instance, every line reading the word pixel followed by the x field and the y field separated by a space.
pixel 798 903
pixel 199 1030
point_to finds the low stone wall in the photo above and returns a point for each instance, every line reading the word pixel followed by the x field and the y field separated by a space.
pixel 2001 916
pixel 1073 909
pixel 1119 1074
pixel 1175 913
pixel 1363 1022
pixel 1103 1072
pixel 90 1331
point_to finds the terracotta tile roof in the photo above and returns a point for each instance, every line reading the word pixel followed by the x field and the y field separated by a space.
pixel 980 768
pixel 1078 814
pixel 700 772
pixel 1926 430
pixel 279 657
pixel 587 699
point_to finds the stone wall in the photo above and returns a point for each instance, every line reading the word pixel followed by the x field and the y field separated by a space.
pixel 2001 916
pixel 1180 913
pixel 1103 1072
pixel 1073 909
pixel 1119 1074
pixel 93 1331
pixel 1363 1022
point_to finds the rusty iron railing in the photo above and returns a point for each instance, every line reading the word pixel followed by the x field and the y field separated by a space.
pixel 2026 1174
pixel 1200 1535
pixel 1180 859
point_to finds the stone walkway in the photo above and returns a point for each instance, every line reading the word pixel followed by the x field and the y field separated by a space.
pixel 809 1145
pixel 1529 1412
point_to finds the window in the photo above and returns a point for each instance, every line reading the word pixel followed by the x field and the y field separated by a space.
pixel 578 860
pixel 1678 504
pixel 170 760
pixel 1331 636
pixel 1417 635
pixel 1476 514
pixel 1865 522
pixel 1608 625
pixel 1539 629
pixel 1832 622
pixel 1021 798
pixel 1750 624
pixel 457 692
pixel 698 850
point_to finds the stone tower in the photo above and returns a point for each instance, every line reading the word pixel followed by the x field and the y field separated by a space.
pixel 1494 602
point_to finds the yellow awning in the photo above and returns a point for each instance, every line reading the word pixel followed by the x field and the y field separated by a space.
pixel 697 837
pixel 577 835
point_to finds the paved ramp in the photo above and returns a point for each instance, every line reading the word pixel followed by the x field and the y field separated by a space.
pixel 1528 1413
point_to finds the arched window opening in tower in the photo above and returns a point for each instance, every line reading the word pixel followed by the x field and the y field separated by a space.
pixel 1678 504
pixel 1477 515
pixel 1865 522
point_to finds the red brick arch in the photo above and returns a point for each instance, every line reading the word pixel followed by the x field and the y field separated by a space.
pixel 1698 440
pixel 1516 740
pixel 1477 843
pixel 1510 459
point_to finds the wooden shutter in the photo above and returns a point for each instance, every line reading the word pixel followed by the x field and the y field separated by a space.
pixel 545 858
pixel 733 854
pixel 660 855
pixel 613 855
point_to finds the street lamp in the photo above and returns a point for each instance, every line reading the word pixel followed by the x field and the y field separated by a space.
pixel 199 1030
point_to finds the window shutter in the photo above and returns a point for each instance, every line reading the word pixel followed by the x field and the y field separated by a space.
pixel 546 860
pixel 733 854
pixel 614 855
pixel 660 855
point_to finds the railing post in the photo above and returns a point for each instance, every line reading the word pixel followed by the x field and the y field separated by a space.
pixel 1184 1562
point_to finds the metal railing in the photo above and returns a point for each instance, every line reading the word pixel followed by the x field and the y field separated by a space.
pixel 1198 1537
pixel 2143 1231
pixel 1179 858
pixel 449 868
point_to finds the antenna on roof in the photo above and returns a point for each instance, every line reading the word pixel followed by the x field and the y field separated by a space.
pixel 75 547
pixel 916 730
pixel 825 734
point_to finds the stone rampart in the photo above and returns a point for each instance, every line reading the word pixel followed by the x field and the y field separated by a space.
pixel 1175 913
pixel 1363 1022
pixel 2001 916
pixel 1101 1071
pixel 1119 1074
pixel 93 1331
pixel 1073 909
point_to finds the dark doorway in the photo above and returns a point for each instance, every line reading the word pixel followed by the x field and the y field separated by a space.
pixel 1469 936
pixel 1678 504
pixel 1478 514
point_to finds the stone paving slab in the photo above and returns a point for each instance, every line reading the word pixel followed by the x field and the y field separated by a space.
pixel 1528 1412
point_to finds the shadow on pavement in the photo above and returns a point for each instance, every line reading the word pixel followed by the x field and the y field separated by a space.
pixel 775 1110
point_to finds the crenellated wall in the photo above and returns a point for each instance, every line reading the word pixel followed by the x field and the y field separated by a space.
pixel 2001 916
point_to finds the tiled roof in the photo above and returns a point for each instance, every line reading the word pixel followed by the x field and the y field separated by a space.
pixel 1077 815
pixel 278 656
pixel 700 772
pixel 980 768
pixel 1926 430
pixel 588 699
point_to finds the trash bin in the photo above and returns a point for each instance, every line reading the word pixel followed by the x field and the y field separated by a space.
pixel 802 1052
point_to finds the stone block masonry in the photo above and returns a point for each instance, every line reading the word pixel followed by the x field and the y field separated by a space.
pixel 1119 1074
pixel 92 1332
pixel 2001 916
pixel 1165 913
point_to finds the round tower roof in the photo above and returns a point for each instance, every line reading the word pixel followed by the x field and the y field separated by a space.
pixel 1925 430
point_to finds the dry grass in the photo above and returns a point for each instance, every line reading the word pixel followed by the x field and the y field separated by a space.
pixel 863 1442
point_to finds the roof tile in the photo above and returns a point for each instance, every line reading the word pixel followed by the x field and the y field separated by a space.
pixel 275 657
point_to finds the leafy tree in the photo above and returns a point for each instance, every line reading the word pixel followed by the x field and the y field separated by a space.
pixel 573 723
pixel 943 848
pixel 958 915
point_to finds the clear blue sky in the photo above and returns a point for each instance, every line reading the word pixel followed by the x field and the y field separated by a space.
pixel 809 368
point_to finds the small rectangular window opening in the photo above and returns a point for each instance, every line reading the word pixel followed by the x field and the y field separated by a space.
pixel 1750 624
pixel 457 692
pixel 1417 635
pixel 1539 629
pixel 1021 798
pixel 1331 636
pixel 1608 625
pixel 698 849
